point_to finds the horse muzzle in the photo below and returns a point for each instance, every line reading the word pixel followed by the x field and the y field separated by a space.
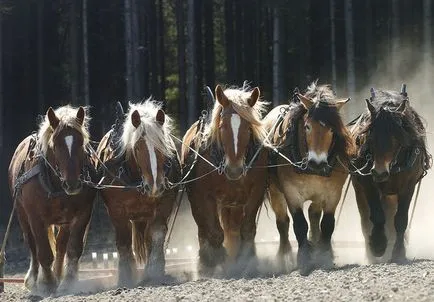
pixel 153 191
pixel 317 166
pixel 234 173
pixel 378 176
pixel 72 187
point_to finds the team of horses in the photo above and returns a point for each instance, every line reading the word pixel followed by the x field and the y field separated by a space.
pixel 228 162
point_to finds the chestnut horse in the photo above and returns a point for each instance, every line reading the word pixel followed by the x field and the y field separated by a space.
pixel 227 194
pixel 314 147
pixel 141 159
pixel 392 151
pixel 45 178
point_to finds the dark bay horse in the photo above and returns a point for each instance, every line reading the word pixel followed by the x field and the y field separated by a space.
pixel 392 156
pixel 45 178
pixel 227 195
pixel 315 148
pixel 142 158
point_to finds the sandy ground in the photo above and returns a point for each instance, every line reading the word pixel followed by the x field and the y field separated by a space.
pixel 383 282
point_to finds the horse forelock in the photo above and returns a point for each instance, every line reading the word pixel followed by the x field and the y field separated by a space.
pixel 238 99
pixel 67 118
pixel 319 92
pixel 155 134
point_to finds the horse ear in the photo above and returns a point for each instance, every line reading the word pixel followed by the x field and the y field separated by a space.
pixel 401 108
pixel 371 107
pixel 80 116
pixel 307 103
pixel 254 97
pixel 161 117
pixel 221 97
pixel 342 102
pixel 52 118
pixel 135 119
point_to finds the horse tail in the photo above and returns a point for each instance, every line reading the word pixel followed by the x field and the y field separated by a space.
pixel 52 239
pixel 139 240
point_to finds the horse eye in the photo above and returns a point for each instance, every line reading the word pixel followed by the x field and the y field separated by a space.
pixel 307 127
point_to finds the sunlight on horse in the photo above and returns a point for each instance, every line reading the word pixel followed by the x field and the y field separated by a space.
pixel 228 192
pixel 313 137
pixel 143 158
pixel 45 178
pixel 391 141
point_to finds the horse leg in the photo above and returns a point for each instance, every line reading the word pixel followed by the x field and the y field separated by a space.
pixel 401 221
pixel 126 264
pixel 47 283
pixel 61 243
pixel 304 255
pixel 278 204
pixel 230 218
pixel 377 238
pixel 74 249
pixel 210 232
pixel 155 238
pixel 325 257
pixel 314 212
pixel 32 273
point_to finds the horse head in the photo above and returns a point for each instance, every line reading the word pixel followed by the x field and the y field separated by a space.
pixel 148 145
pixel 321 126
pixel 67 149
pixel 234 128
pixel 386 135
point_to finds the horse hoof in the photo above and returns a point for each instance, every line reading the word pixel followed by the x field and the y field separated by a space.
pixel 378 244
pixel 324 259
pixel 304 260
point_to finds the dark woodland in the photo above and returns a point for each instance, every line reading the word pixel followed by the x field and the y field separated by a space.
pixel 99 52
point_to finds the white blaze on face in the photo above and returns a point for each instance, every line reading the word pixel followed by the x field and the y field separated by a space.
pixel 68 141
pixel 235 124
pixel 153 161
pixel 318 158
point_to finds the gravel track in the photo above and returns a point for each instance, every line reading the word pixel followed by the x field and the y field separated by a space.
pixel 380 282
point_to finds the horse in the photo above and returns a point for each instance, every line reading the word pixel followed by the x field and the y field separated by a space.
pixel 138 160
pixel 46 182
pixel 313 148
pixel 224 157
pixel 392 158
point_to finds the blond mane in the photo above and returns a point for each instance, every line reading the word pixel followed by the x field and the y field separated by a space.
pixel 317 92
pixel 67 118
pixel 157 135
pixel 238 99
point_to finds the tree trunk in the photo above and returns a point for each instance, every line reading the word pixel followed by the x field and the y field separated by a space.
pixel 135 72
pixel 191 63
pixel 74 52
pixel 161 52
pixel 369 50
pixel 427 45
pixel 85 56
pixel 277 57
pixel 395 41
pixel 128 50
pixel 152 44
pixel 209 43
pixel 349 37
pixel 41 97
pixel 333 43
pixel 229 37
pixel 182 108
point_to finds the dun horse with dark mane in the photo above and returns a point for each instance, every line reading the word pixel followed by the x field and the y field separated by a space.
pixel 392 158
pixel 45 178
pixel 314 147
pixel 138 160
pixel 229 189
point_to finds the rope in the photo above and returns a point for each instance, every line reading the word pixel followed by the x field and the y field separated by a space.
pixel 414 204
pixel 343 201
pixel 7 232
pixel 172 224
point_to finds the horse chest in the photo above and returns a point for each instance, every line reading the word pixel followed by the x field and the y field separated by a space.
pixel 132 206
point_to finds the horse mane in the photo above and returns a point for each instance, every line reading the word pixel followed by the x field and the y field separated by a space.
pixel 238 101
pixel 157 135
pixel 325 111
pixel 67 118
pixel 407 126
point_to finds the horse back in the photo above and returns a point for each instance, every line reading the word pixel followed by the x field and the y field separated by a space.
pixel 104 150
pixel 189 141
pixel 22 153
